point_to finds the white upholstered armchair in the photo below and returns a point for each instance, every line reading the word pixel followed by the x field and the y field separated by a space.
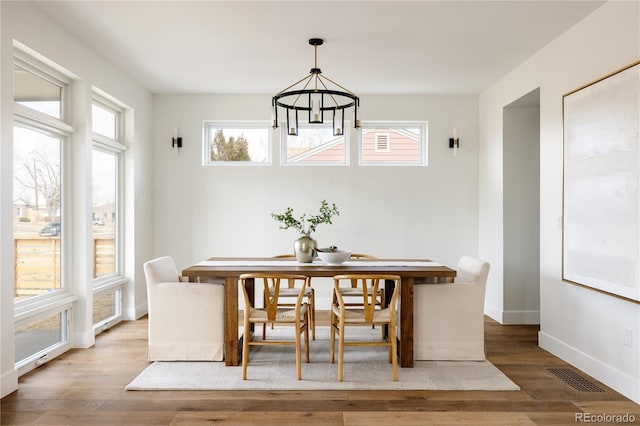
pixel 186 320
pixel 448 320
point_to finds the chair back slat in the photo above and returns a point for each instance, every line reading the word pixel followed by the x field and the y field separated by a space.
pixel 272 281
pixel 354 282
pixel 368 299
pixel 271 298
pixel 370 284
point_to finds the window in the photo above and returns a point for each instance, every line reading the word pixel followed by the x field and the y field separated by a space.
pixel 37 229
pixel 39 137
pixel 314 144
pixel 104 120
pixel 236 143
pixel 106 212
pixel 107 308
pixel 37 337
pixel 35 90
pixel 41 146
pixel 394 143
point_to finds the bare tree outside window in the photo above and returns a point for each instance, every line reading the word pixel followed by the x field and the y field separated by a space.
pixel 37 179
pixel 37 186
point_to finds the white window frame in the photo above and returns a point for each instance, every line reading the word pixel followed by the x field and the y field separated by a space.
pixel 106 323
pixel 424 142
pixel 284 138
pixel 38 121
pixel 48 72
pixel 113 282
pixel 61 300
pixel 207 125
pixel 64 308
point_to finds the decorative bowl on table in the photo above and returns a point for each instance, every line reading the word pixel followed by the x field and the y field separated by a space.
pixel 333 256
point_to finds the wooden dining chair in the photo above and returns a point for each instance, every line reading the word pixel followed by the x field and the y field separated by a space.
pixel 343 316
pixel 354 293
pixel 274 313
pixel 290 291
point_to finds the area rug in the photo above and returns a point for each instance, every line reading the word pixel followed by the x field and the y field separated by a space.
pixel 365 368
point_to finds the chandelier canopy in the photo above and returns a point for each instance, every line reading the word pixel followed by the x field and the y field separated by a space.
pixel 317 96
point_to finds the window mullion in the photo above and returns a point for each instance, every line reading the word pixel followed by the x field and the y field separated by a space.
pixel 108 143
pixel 37 120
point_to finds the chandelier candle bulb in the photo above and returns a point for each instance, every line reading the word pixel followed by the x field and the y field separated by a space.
pixel 315 109
pixel 292 122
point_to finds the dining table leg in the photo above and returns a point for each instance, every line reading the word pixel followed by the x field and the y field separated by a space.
pixel 406 322
pixel 231 356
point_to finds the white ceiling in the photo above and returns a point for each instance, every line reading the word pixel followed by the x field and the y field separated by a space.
pixel 371 47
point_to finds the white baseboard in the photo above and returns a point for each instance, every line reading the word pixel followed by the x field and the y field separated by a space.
pixel 610 376
pixel 512 317
pixel 494 313
pixel 8 382
pixel 521 317
pixel 137 312
pixel 84 339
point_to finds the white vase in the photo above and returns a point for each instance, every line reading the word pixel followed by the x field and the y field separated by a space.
pixel 304 248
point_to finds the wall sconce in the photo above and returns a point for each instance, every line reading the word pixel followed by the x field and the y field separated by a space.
pixel 454 142
pixel 176 142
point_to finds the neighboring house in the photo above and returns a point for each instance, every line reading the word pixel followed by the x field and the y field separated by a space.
pixel 378 146
pixel 329 152
pixel 23 211
pixel 390 146
pixel 105 213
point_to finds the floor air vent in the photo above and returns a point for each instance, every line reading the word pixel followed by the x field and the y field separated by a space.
pixel 574 380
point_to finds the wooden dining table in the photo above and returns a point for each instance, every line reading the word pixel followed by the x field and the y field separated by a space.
pixel 230 268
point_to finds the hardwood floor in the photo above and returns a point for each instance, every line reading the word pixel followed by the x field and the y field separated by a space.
pixel 86 387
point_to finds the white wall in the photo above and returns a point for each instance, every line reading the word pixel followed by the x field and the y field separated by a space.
pixel 201 212
pixel 27 24
pixel 521 170
pixel 580 325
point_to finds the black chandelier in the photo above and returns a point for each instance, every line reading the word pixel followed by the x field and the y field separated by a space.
pixel 318 95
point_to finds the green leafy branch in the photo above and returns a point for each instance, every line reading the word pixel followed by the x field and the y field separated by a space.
pixel 306 223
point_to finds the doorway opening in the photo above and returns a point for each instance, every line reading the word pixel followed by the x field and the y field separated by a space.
pixel 521 210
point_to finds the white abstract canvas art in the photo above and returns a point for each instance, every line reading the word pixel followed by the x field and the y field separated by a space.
pixel 601 218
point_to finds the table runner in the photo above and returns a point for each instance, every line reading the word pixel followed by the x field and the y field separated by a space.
pixel 274 262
